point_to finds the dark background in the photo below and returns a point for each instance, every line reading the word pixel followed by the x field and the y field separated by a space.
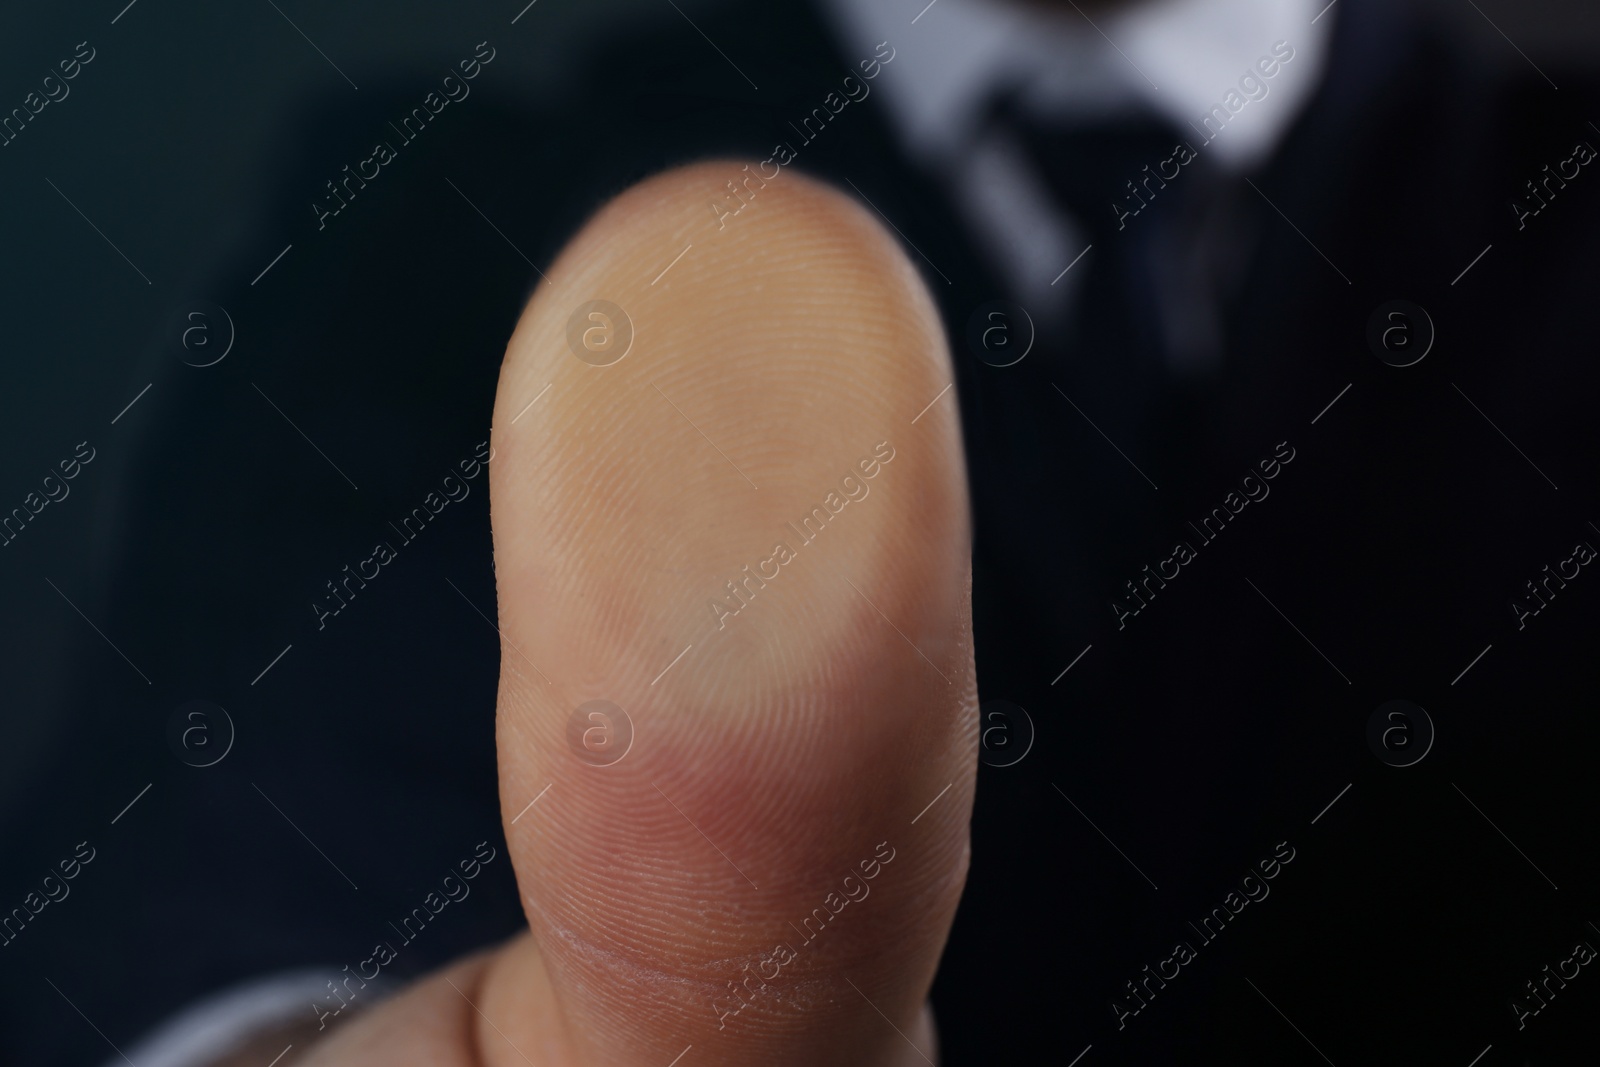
pixel 206 523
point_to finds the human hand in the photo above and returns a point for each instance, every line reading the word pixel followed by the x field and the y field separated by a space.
pixel 769 872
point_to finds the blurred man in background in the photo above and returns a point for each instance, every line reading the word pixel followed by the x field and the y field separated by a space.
pixel 1186 255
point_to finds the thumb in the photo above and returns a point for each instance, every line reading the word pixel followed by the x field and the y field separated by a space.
pixel 737 712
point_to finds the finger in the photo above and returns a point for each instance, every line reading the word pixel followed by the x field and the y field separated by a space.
pixel 737 537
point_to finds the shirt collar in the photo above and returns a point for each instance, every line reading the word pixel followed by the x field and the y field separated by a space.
pixel 1178 58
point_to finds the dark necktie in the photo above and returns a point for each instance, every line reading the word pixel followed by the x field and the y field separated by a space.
pixel 1143 315
pixel 1139 312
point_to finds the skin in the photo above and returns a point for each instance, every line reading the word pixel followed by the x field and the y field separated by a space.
pixel 789 749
